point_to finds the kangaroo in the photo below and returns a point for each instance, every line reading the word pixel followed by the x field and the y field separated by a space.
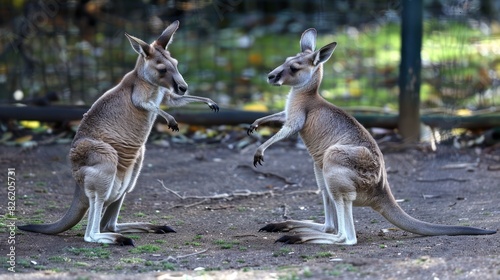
pixel 348 164
pixel 108 149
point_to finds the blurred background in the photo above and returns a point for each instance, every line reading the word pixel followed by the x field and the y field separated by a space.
pixel 226 47
pixel 70 52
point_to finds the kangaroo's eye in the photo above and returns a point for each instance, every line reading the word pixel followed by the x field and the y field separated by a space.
pixel 293 69
pixel 162 70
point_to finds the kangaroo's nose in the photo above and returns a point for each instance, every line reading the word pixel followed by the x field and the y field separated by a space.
pixel 271 77
pixel 182 88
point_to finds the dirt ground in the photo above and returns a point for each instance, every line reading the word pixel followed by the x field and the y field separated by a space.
pixel 221 201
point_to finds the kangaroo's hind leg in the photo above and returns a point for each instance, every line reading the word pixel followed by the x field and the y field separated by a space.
pixel 94 165
pixel 307 226
pixel 109 220
pixel 345 169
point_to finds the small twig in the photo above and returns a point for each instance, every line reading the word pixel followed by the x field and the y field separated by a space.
pixel 244 235
pixel 460 165
pixel 269 174
pixel 235 194
pixel 441 179
pixel 203 199
pixel 285 212
pixel 190 205
pixel 169 190
pixel 318 191
pixel 428 196
pixel 192 254
pixel 174 259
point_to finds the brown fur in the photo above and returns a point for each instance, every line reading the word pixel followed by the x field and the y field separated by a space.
pixel 348 164
pixel 108 149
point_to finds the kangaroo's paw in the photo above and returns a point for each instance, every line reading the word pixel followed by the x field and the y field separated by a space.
pixel 258 159
pixel 173 126
pixel 213 106
pixel 252 128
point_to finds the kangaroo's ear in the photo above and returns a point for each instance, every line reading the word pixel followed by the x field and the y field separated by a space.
pixel 308 40
pixel 166 37
pixel 323 54
pixel 139 45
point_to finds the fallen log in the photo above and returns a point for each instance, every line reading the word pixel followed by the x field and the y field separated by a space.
pixel 237 117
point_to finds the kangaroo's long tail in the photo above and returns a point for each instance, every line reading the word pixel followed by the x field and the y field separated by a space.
pixel 75 213
pixel 397 216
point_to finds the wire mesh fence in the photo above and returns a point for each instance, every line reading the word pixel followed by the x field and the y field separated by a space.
pixel 76 50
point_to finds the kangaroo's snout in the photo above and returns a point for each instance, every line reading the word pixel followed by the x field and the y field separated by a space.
pixel 180 88
pixel 274 79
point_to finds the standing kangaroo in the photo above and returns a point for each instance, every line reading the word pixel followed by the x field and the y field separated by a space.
pixel 108 149
pixel 348 164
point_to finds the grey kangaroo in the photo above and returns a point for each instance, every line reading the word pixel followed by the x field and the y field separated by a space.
pixel 348 164
pixel 108 149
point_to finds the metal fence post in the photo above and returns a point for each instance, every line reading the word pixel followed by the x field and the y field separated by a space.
pixel 409 71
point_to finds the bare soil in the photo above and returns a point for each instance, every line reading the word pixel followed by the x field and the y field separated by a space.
pixel 221 201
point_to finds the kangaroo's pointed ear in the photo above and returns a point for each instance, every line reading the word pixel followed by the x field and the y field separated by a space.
pixel 166 37
pixel 308 40
pixel 323 54
pixel 139 45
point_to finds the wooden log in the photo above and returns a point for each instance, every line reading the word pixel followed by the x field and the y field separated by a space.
pixel 237 117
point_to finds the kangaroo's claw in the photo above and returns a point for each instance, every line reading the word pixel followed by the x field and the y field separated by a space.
pixel 163 229
pixel 251 129
pixel 258 159
pixel 214 107
pixel 174 127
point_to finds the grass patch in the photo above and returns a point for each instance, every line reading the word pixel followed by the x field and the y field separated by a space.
pixel 135 237
pixel 323 255
pixel 82 264
pixel 148 248
pixel 59 259
pixel 282 252
pixel 224 244
pixel 340 269
pixel 132 260
pixel 140 215
pixel 155 265
pixel 91 253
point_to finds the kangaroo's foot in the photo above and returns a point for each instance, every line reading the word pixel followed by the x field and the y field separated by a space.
pixel 109 238
pixel 297 226
pixel 317 238
pixel 139 227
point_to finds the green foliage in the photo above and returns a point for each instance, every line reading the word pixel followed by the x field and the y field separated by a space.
pixel 91 253
pixel 148 248
pixel 225 244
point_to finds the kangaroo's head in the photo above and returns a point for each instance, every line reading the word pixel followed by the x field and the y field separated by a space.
pixel 298 70
pixel 155 64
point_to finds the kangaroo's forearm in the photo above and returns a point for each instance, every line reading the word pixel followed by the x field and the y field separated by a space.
pixel 278 117
pixel 283 133
pixel 181 100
